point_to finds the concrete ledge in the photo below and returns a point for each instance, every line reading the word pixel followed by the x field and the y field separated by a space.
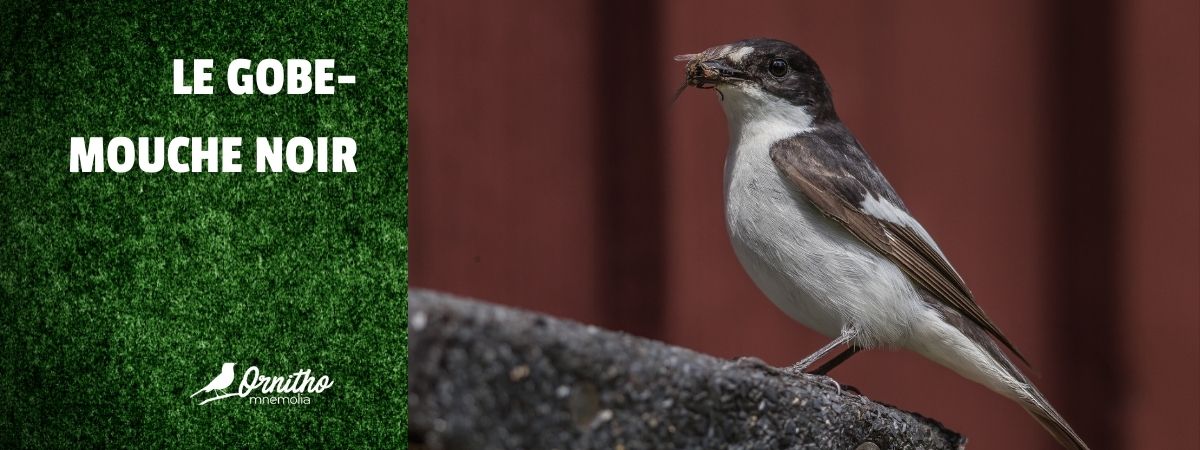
pixel 488 377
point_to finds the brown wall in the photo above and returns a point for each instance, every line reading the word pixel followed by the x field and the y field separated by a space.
pixel 1051 148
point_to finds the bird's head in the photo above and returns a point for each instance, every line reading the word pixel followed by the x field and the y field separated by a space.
pixel 762 77
pixel 227 365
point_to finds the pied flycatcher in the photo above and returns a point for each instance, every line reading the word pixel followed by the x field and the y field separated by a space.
pixel 825 237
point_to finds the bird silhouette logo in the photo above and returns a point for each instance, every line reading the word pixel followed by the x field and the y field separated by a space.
pixel 220 383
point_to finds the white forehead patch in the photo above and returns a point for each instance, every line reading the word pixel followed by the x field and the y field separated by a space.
pixel 742 52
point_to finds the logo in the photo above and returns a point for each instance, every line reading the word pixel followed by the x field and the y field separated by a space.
pixel 292 389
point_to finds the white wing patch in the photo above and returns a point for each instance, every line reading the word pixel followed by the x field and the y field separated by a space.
pixel 881 208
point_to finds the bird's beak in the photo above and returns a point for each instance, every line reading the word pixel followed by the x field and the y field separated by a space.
pixel 708 73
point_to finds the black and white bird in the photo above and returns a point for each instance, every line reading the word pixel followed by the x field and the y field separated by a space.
pixel 826 238
pixel 221 382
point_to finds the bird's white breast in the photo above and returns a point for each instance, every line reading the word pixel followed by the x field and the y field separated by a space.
pixel 808 265
pixel 815 270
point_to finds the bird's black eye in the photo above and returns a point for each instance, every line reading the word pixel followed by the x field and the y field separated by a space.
pixel 778 67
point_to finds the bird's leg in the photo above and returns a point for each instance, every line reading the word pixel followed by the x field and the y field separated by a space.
pixel 846 336
pixel 837 360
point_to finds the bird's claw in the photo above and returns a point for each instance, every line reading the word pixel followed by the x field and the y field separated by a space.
pixel 836 385
pixel 751 362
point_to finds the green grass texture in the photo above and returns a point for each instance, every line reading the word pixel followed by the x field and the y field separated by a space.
pixel 122 293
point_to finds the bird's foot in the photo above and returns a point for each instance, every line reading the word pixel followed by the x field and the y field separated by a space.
pixel 750 362
pixel 795 370
pixel 828 379
pixel 800 369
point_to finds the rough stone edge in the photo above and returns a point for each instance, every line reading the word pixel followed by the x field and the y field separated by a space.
pixel 483 376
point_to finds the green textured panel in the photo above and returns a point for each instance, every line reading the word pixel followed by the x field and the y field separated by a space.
pixel 122 294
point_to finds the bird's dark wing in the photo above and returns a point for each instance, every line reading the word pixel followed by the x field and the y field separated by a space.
pixel 830 169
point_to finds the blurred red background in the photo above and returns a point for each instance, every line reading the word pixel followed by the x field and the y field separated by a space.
pixel 1051 148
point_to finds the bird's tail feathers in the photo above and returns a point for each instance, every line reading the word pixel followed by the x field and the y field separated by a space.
pixel 1002 376
pixel 197 393
pixel 1040 409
